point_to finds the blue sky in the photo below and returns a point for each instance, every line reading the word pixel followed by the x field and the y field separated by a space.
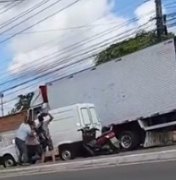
pixel 126 8
pixel 5 55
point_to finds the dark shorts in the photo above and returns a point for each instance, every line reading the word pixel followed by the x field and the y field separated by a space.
pixel 34 150
pixel 48 144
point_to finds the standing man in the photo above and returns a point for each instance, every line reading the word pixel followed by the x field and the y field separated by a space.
pixel 44 135
pixel 20 140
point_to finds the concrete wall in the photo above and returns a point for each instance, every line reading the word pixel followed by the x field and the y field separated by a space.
pixel 8 126
pixel 11 122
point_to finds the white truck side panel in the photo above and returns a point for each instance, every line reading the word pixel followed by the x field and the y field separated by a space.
pixel 140 84
pixel 67 121
pixel 64 126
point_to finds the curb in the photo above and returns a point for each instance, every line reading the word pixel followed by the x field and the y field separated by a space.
pixel 90 164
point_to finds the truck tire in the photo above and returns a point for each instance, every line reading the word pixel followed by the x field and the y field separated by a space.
pixel 66 153
pixel 129 140
pixel 9 161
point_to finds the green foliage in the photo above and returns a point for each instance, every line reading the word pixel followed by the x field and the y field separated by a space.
pixel 23 103
pixel 140 41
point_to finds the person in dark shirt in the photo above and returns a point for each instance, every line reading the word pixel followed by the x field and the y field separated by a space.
pixel 44 135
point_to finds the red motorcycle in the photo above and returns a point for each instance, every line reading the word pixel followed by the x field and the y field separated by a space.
pixel 107 143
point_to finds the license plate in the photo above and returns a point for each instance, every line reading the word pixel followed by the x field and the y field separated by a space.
pixel 115 142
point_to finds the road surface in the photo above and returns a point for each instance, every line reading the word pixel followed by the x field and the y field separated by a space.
pixel 147 171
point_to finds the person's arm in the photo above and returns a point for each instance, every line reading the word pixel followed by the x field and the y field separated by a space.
pixel 29 130
pixel 50 117
pixel 32 134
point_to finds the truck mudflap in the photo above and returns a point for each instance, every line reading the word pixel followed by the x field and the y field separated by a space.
pixel 158 138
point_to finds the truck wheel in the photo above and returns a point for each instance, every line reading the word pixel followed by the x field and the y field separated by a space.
pixel 128 140
pixel 9 161
pixel 66 153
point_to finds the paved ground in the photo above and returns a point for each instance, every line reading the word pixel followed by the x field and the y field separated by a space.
pixel 152 171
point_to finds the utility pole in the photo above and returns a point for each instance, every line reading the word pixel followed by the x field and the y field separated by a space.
pixel 2 103
pixel 159 19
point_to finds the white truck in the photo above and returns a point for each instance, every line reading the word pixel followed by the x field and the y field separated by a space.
pixel 137 93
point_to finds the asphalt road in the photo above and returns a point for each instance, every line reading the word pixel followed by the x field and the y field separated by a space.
pixel 151 171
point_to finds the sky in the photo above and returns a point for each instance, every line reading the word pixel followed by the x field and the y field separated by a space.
pixel 37 37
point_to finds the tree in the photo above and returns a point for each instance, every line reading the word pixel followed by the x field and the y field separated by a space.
pixel 140 41
pixel 24 103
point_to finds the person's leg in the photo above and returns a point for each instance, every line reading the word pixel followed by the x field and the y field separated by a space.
pixel 18 143
pixel 51 149
pixel 43 156
pixel 30 153
pixel 43 147
pixel 53 156
pixel 25 152
pixel 39 150
pixel 33 154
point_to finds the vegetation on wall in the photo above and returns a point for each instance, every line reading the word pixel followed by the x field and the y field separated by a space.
pixel 24 103
pixel 140 41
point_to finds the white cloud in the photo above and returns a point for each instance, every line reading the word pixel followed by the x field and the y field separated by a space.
pixel 28 48
pixel 145 13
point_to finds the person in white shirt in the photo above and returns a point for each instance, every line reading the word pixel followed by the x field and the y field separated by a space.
pixel 20 140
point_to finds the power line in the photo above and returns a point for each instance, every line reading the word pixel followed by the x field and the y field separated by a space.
pixel 67 29
pixel 40 21
pixel 43 75
pixel 71 28
pixel 3 76
pixel 56 41
pixel 68 48
pixel 33 15
pixel 61 77
pixel 72 47
pixel 78 28
pixel 9 7
pixel 11 1
pixel 22 14
pixel 6 6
